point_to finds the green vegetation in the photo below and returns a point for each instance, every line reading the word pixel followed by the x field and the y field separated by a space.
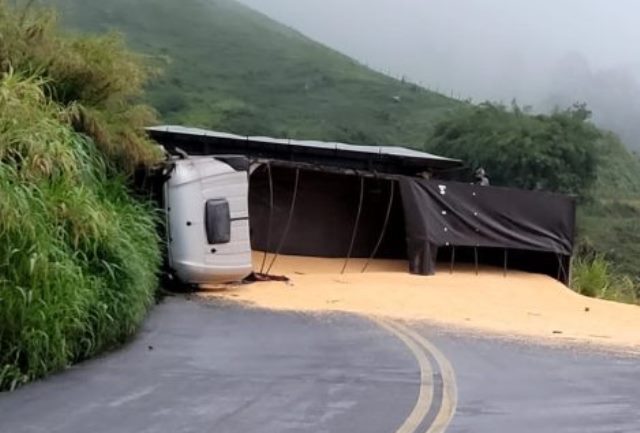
pixel 78 255
pixel 611 226
pixel 94 77
pixel 609 222
pixel 557 152
pixel 230 68
pixel 593 276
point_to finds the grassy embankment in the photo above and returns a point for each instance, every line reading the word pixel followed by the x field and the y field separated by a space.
pixel 78 254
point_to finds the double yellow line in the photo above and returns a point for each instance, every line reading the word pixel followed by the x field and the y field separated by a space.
pixel 423 350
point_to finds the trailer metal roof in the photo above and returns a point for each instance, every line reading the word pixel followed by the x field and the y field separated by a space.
pixel 389 159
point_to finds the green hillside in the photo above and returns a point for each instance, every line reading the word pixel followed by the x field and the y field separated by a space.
pixel 610 222
pixel 619 176
pixel 234 69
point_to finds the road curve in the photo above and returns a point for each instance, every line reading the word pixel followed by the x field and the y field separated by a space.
pixel 507 386
pixel 437 399
pixel 199 367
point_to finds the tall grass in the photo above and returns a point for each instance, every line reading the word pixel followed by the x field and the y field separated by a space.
pixel 96 77
pixel 78 254
pixel 594 276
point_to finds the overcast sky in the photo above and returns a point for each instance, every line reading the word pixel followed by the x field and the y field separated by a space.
pixel 542 52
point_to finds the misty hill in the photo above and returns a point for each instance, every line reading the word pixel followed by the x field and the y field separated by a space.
pixel 612 94
pixel 232 68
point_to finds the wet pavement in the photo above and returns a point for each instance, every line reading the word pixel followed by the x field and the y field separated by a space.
pixel 506 386
pixel 199 367
pixel 206 368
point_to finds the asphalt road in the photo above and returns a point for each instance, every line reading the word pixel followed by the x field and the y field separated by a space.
pixel 217 368
pixel 506 387
pixel 228 369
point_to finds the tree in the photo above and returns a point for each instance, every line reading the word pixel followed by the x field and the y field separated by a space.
pixel 556 152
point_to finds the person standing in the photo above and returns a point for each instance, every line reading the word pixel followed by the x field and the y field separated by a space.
pixel 481 177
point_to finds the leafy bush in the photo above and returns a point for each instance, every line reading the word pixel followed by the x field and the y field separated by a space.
pixel 78 255
pixel 557 152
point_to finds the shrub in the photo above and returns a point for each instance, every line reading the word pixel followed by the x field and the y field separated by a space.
pixel 594 276
pixel 557 152
pixel 591 276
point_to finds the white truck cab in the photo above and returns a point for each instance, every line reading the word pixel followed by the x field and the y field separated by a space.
pixel 207 210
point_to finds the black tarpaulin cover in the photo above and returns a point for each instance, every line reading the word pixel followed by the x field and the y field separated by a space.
pixel 427 217
pixel 451 214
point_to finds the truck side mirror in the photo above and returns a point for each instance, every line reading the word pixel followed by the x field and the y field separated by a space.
pixel 218 221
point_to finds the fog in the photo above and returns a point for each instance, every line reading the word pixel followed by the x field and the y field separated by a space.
pixel 542 53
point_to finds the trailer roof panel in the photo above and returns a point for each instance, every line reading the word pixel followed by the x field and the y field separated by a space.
pixel 389 159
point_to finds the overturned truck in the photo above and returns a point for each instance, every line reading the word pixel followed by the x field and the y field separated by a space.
pixel 230 194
